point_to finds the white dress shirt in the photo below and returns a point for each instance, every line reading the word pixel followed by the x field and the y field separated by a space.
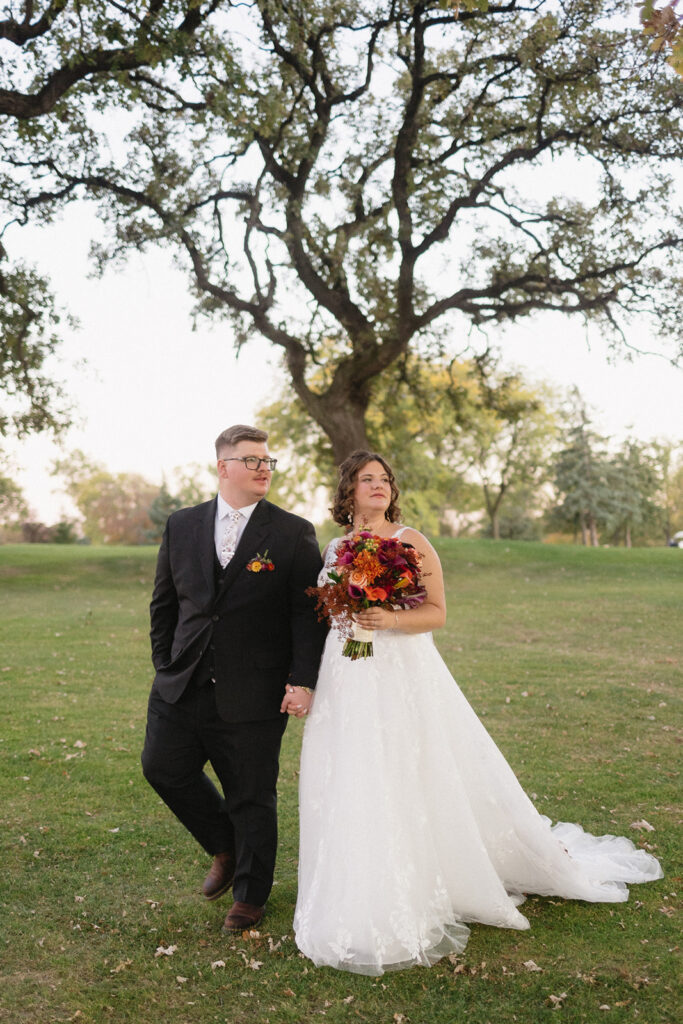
pixel 223 510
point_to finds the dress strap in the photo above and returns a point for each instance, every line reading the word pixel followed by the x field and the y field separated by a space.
pixel 399 532
pixel 331 550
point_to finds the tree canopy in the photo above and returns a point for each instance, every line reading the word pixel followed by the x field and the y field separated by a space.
pixel 663 24
pixel 60 61
pixel 357 179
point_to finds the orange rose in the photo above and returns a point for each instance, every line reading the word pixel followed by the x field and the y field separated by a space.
pixel 358 578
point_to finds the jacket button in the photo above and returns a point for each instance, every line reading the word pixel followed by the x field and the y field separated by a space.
pixel 215 618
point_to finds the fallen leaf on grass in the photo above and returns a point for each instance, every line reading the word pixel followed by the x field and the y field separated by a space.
pixel 531 966
pixel 288 992
pixel 165 950
pixel 604 1006
pixel 217 963
pixel 180 979
pixel 667 911
pixel 80 744
pixel 34 752
pixel 556 1001
pixel 642 825
pixel 120 967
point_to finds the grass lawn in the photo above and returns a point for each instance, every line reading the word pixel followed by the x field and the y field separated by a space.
pixel 573 658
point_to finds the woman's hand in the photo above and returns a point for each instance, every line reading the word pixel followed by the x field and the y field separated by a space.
pixel 376 618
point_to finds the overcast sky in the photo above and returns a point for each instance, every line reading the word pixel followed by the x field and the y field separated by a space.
pixel 152 394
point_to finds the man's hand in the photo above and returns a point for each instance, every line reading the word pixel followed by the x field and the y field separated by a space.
pixel 296 701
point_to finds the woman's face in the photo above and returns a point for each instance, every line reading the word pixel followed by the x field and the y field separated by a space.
pixel 372 493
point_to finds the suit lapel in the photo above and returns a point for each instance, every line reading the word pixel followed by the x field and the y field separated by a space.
pixel 205 543
pixel 251 542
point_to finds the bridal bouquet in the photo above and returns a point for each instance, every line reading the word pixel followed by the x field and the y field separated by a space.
pixel 369 571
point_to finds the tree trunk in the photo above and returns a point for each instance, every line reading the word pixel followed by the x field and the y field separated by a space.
pixel 344 424
pixel 627 538
pixel 584 531
pixel 495 525
pixel 595 540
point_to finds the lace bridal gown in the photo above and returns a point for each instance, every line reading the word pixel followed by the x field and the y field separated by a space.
pixel 413 823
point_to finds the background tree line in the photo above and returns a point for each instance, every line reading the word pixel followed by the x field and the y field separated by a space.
pixel 478 450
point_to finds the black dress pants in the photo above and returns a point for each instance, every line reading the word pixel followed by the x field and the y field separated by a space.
pixel 180 739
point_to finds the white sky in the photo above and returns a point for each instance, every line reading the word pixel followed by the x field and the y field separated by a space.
pixel 153 394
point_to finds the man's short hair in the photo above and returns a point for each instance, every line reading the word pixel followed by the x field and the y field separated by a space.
pixel 239 432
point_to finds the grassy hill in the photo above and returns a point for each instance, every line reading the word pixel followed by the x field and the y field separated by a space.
pixel 572 657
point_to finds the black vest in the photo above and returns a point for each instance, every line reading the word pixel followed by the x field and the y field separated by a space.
pixel 204 671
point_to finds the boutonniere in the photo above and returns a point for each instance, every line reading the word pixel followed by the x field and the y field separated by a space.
pixel 260 563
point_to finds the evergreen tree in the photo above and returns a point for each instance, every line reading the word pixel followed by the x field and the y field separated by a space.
pixel 584 477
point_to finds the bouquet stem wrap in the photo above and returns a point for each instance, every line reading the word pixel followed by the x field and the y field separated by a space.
pixel 359 645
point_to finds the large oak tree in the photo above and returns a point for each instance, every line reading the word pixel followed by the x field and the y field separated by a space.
pixel 355 179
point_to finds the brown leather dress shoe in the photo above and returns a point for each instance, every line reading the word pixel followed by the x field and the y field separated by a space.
pixel 219 878
pixel 242 916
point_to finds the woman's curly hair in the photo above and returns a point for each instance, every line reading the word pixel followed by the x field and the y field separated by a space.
pixel 342 509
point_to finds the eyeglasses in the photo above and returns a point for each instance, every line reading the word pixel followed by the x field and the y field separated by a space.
pixel 254 462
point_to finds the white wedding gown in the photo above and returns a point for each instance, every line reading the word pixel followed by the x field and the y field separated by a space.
pixel 413 823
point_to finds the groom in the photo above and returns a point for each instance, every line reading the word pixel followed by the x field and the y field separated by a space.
pixel 236 645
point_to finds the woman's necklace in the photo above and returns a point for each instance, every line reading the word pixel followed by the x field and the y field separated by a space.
pixel 383 527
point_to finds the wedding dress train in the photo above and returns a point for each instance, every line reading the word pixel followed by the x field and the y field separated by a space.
pixel 412 823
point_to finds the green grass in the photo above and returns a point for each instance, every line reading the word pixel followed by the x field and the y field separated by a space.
pixel 573 658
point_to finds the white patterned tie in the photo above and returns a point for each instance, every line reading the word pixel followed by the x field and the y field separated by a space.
pixel 229 541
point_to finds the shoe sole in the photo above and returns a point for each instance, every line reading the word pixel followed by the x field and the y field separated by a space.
pixel 220 892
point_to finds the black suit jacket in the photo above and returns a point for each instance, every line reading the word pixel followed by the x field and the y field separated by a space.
pixel 262 626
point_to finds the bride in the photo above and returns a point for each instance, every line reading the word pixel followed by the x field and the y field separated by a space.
pixel 412 822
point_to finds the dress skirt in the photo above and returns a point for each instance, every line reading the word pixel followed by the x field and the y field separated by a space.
pixel 412 824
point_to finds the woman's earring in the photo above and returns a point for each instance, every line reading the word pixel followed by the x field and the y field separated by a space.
pixel 350 515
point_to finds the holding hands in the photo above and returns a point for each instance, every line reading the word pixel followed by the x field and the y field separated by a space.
pixel 296 701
